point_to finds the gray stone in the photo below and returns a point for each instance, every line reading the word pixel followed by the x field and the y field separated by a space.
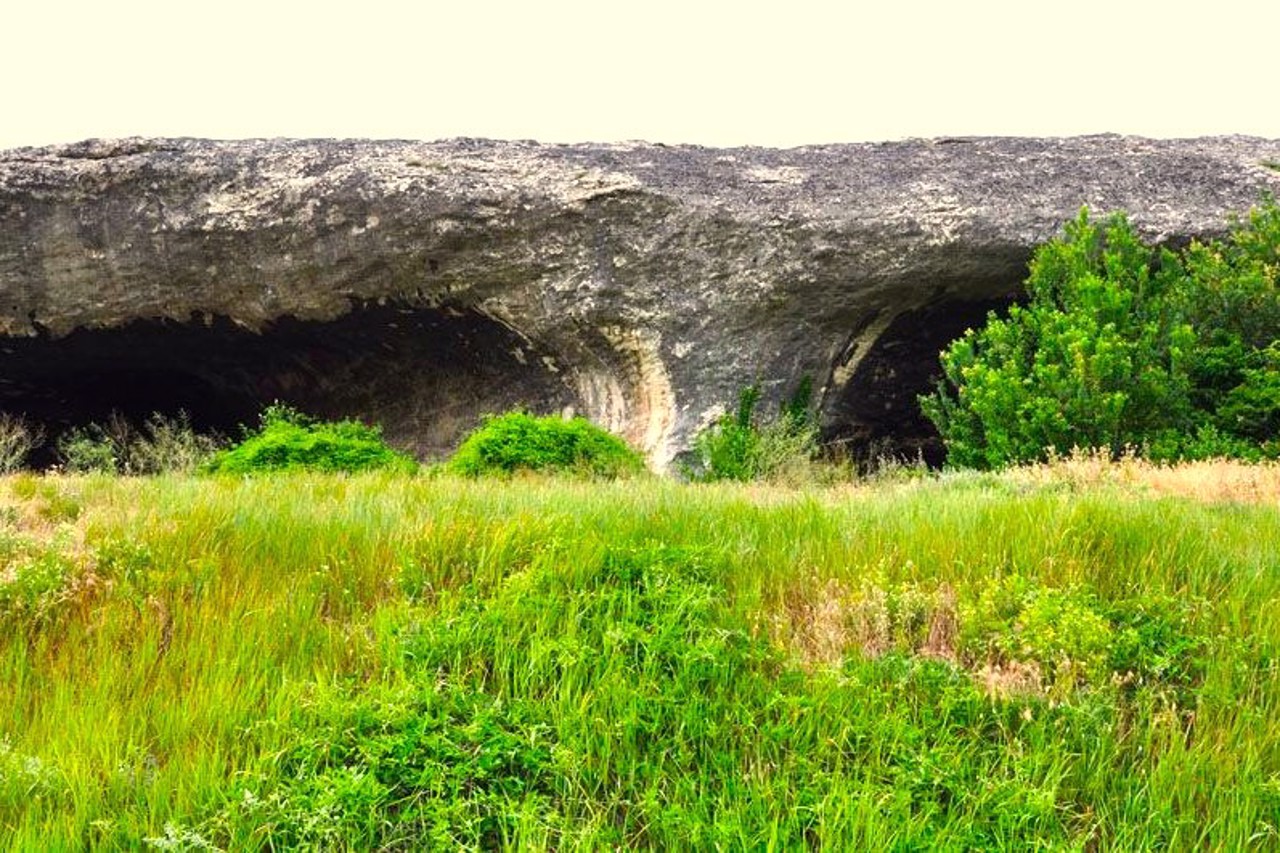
pixel 423 284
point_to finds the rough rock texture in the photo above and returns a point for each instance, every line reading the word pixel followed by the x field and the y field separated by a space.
pixel 423 284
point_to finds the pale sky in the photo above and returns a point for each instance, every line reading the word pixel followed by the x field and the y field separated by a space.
pixel 711 73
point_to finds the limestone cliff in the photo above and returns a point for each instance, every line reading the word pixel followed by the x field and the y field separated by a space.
pixel 423 284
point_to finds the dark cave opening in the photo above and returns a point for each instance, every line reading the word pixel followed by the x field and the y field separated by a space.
pixel 425 374
pixel 876 413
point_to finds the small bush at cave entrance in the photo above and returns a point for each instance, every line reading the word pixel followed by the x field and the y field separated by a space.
pixel 520 441
pixel 290 441
pixel 741 447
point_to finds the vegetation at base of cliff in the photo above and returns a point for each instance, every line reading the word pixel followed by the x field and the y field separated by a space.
pixel 1173 354
pixel 288 440
pixel 1043 658
pixel 162 444
pixel 519 441
pixel 742 446
pixel 18 438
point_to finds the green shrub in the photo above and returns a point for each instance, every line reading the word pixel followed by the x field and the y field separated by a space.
pixel 411 767
pixel 729 450
pixel 288 441
pixel 1077 639
pixel 517 441
pixel 36 580
pixel 1155 643
pixel 1124 347
pixel 87 449
pixel 740 447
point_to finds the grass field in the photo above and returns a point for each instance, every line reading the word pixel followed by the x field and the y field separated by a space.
pixel 1080 656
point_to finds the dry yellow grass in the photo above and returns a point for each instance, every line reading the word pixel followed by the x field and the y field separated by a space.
pixel 821 625
pixel 41 515
pixel 1216 480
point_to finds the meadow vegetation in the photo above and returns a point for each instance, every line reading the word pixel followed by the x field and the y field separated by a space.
pixel 379 661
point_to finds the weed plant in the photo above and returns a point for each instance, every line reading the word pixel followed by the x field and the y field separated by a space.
pixel 166 445
pixel 740 446
pixel 18 437
pixel 163 444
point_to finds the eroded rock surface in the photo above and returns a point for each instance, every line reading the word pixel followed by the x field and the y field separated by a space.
pixel 423 284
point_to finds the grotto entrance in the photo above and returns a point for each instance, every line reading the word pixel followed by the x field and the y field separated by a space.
pixel 876 412
pixel 425 374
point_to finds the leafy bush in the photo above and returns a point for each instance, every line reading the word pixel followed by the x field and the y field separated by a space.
pixel 521 441
pixel 740 447
pixel 1124 346
pixel 1075 638
pixel 1155 643
pixel 403 768
pixel 87 449
pixel 729 450
pixel 17 439
pixel 35 581
pixel 288 440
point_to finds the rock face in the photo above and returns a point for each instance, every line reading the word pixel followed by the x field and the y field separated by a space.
pixel 423 284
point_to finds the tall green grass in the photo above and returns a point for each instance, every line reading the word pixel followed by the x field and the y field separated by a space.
pixel 382 661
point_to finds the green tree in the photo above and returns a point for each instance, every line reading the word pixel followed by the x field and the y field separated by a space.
pixel 1122 345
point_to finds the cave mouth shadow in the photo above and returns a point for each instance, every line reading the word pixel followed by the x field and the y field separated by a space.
pixel 426 375
pixel 875 416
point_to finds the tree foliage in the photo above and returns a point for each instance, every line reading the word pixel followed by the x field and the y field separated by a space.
pixel 1124 346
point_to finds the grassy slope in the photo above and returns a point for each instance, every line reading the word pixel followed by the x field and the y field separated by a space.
pixel 311 660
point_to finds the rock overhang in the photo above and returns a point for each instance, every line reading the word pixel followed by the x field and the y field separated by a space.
pixel 642 285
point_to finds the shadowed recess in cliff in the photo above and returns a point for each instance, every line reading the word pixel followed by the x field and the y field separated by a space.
pixel 426 375
pixel 875 411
